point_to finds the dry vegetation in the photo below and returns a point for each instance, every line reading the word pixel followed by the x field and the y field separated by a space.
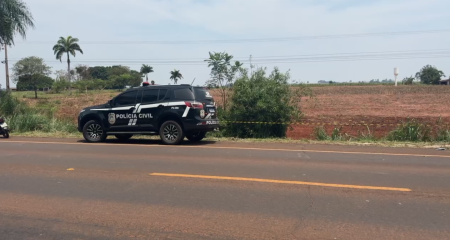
pixel 330 104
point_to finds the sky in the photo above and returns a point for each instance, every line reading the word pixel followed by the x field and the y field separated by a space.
pixel 315 35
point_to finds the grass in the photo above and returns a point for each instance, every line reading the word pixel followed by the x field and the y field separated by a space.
pixel 21 118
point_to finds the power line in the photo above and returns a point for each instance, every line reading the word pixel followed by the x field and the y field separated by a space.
pixel 283 39
pixel 272 61
pixel 285 57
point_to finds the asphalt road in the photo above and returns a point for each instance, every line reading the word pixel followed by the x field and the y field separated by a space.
pixel 67 189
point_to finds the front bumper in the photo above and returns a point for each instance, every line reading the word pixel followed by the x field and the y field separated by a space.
pixel 79 127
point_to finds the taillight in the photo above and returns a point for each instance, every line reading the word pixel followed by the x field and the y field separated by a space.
pixel 194 105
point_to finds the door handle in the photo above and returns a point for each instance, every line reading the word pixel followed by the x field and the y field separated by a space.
pixel 132 108
pixel 160 106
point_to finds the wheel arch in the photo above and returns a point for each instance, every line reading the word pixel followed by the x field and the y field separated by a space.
pixel 89 117
pixel 170 117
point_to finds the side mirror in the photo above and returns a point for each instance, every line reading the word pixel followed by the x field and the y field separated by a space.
pixel 110 103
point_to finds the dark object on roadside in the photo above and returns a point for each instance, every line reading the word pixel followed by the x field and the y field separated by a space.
pixel 441 149
pixel 4 131
pixel 171 111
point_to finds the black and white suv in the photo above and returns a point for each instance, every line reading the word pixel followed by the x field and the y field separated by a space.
pixel 171 111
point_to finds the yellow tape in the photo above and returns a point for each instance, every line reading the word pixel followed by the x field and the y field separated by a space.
pixel 312 123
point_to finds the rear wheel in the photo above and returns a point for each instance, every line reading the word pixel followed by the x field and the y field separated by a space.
pixel 196 136
pixel 6 134
pixel 94 132
pixel 123 137
pixel 171 133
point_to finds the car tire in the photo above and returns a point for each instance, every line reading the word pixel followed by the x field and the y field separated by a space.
pixel 196 136
pixel 93 132
pixel 171 133
pixel 123 137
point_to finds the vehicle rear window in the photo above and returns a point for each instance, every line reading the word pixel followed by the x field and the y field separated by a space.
pixel 184 94
pixel 202 94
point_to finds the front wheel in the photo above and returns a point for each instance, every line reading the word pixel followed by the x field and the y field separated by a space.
pixel 196 136
pixel 93 131
pixel 6 134
pixel 171 133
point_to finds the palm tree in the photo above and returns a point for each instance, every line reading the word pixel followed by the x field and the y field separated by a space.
pixel 146 69
pixel 14 18
pixel 67 45
pixel 175 75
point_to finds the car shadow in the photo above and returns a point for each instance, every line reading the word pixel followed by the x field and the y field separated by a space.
pixel 151 142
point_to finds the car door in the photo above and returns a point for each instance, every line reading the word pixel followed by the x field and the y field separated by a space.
pixel 151 105
pixel 122 116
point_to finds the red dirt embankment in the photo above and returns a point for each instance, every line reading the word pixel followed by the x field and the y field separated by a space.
pixel 382 106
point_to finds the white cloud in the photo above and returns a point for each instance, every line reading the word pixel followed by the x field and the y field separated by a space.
pixel 175 20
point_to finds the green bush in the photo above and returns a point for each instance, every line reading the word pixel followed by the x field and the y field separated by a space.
pixel 60 85
pixel 321 134
pixel 10 105
pixel 261 98
pixel 442 135
pixel 411 131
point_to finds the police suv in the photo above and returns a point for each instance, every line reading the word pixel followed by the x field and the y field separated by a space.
pixel 171 111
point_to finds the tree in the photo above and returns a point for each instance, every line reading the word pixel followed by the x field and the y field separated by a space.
pixel 262 97
pixel 15 17
pixel 136 78
pixel 121 81
pixel 430 75
pixel 31 68
pixel 146 69
pixel 26 83
pixel 175 75
pixel 223 73
pixel 99 72
pixel 69 46
pixel 82 72
pixel 408 80
pixel 118 70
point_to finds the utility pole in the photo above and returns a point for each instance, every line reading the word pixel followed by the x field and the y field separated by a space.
pixel 6 67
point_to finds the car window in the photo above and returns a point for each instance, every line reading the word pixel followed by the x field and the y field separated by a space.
pixel 162 94
pixel 202 94
pixel 126 99
pixel 149 96
pixel 184 94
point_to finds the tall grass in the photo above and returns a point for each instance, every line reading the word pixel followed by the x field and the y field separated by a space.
pixel 411 131
pixel 21 118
